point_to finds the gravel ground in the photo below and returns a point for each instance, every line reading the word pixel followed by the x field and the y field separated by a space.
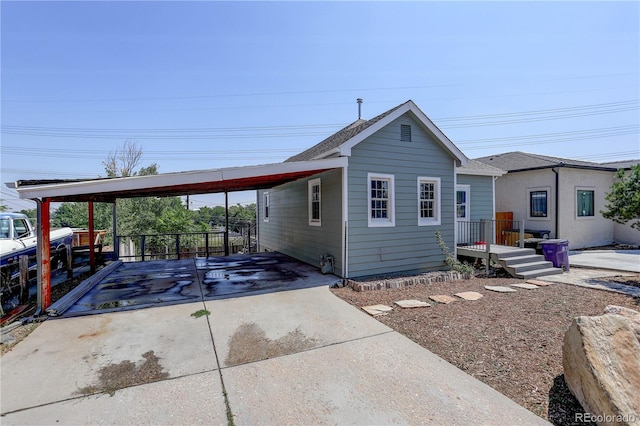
pixel 510 341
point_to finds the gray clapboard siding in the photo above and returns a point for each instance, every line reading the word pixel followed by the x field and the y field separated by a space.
pixel 481 198
pixel 406 246
pixel 288 230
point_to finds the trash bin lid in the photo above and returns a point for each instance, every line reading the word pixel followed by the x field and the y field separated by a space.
pixel 556 241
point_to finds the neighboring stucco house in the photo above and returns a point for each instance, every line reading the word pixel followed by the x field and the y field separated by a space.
pixel 561 195
pixel 403 181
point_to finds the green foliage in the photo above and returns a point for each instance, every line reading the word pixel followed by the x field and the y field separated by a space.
pixel 450 260
pixel 32 214
pixel 201 312
pixel 624 198
pixel 3 208
pixel 215 216
pixel 147 215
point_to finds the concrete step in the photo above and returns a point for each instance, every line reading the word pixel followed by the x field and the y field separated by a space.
pixel 512 261
pixel 539 273
pixel 532 266
pixel 516 252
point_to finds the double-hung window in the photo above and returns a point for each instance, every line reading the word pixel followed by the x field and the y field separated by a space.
pixel 381 200
pixel 315 202
pixel 428 201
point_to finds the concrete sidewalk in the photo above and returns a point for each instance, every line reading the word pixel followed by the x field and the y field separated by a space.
pixel 292 357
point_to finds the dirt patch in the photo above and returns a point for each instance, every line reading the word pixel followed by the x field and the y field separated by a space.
pixel 17 335
pixel 633 280
pixel 510 341
pixel 125 374
pixel 249 343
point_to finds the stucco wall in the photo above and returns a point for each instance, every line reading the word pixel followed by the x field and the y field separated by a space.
pixel 512 194
pixel 584 231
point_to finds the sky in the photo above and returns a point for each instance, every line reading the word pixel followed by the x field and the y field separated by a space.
pixel 204 85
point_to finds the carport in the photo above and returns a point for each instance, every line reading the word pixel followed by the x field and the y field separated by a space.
pixel 108 190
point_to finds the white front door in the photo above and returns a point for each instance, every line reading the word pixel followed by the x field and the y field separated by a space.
pixel 463 214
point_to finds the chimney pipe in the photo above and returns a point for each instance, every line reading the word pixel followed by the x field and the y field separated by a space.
pixel 359 100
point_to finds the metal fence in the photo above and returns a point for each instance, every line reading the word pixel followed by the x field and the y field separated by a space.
pixel 186 245
pixel 481 234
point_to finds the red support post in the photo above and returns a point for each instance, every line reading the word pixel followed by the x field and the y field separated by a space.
pixel 92 252
pixel 44 258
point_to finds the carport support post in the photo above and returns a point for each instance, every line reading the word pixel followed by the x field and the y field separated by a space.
pixel 92 252
pixel 226 223
pixel 116 242
pixel 43 254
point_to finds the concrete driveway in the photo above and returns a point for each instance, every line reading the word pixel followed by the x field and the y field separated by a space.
pixel 300 356
pixel 616 260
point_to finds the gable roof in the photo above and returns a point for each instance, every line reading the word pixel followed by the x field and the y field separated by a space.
pixel 341 142
pixel 521 161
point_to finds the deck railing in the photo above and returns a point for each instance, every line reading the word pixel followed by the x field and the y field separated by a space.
pixel 146 247
pixel 479 235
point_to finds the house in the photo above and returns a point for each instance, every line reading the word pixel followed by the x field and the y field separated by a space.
pixel 403 181
pixel 561 195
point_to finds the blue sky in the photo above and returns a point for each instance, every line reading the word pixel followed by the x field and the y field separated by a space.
pixel 202 85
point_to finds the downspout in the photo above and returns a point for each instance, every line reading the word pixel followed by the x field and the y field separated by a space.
pixel 557 197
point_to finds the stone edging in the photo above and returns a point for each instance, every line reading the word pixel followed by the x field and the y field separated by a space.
pixel 401 282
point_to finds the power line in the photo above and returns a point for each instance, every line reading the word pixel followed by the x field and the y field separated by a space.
pixel 208 133
pixel 238 95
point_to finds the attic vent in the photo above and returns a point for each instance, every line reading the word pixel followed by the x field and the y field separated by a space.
pixel 405 133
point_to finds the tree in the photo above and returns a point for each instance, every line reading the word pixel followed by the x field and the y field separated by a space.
pixel 122 162
pixel 3 208
pixel 624 198
pixel 32 214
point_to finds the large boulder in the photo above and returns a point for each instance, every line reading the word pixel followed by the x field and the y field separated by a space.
pixel 601 360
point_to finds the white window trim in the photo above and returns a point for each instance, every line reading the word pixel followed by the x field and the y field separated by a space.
pixel 310 185
pixel 391 220
pixel 266 206
pixel 543 218
pixel 436 220
pixel 575 200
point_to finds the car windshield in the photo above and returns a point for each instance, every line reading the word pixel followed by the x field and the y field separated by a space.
pixel 4 228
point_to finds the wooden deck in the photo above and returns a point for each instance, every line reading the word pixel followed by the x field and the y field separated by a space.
pixel 480 250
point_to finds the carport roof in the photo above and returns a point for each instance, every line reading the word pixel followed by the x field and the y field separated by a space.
pixel 169 184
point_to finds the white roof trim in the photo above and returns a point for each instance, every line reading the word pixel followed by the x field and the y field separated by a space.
pixel 172 179
pixel 345 148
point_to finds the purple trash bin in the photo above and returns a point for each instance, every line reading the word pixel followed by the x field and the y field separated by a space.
pixel 556 251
